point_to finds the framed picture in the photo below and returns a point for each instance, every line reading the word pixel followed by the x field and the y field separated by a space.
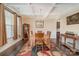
pixel 39 24
pixel 73 19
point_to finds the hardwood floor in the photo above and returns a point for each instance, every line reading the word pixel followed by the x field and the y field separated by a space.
pixel 12 50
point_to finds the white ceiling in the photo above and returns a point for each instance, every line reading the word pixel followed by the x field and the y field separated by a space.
pixel 43 10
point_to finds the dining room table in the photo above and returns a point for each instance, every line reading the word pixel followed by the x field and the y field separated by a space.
pixel 45 39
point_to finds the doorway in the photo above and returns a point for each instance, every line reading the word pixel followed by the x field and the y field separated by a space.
pixel 57 33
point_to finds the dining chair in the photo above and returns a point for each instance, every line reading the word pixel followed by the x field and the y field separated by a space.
pixel 49 39
pixel 49 34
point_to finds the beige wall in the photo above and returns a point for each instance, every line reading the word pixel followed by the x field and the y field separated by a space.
pixel 64 27
pixel 49 25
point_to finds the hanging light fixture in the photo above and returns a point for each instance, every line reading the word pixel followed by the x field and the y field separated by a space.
pixel 40 14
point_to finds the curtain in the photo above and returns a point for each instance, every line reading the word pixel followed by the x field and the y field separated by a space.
pixel 15 26
pixel 2 26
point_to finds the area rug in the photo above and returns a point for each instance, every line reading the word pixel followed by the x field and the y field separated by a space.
pixel 28 51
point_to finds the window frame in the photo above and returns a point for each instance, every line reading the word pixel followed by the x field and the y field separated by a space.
pixel 20 26
pixel 12 28
pixel 15 22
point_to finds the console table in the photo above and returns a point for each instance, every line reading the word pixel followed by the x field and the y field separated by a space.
pixel 73 37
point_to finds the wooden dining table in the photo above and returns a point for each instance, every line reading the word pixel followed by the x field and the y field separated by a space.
pixel 45 39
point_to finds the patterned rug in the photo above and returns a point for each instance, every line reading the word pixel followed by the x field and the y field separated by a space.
pixel 25 51
pixel 28 51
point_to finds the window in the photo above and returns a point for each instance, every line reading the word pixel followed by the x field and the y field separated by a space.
pixel 10 25
pixel 9 21
pixel 18 27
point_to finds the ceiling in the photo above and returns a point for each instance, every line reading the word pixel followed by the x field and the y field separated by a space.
pixel 44 10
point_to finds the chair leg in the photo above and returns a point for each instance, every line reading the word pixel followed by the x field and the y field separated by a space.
pixel 42 47
pixel 36 48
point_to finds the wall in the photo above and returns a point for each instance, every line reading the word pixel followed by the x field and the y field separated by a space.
pixel 49 25
pixel 74 28
pixel 64 27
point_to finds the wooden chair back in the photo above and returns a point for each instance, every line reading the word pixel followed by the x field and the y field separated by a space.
pixel 49 34
pixel 39 35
